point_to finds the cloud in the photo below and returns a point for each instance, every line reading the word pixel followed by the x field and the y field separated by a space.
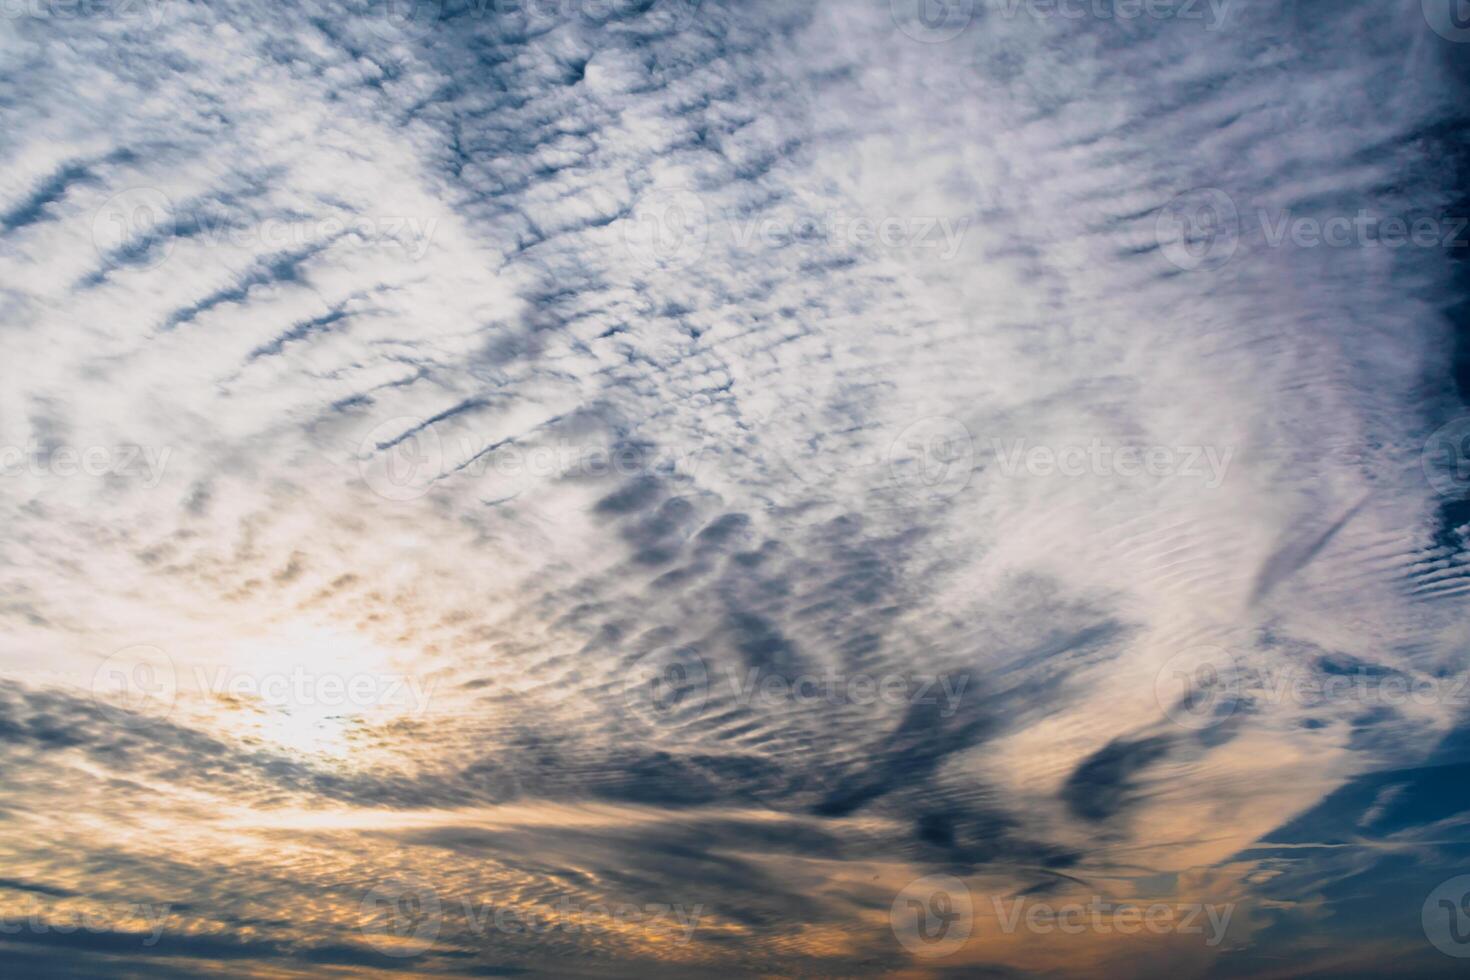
pixel 638 382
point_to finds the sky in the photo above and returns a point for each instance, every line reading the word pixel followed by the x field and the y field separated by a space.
pixel 684 488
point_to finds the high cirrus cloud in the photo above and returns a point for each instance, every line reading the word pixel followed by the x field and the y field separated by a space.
pixel 679 474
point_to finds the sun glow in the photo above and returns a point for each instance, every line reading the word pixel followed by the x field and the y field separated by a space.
pixel 306 687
